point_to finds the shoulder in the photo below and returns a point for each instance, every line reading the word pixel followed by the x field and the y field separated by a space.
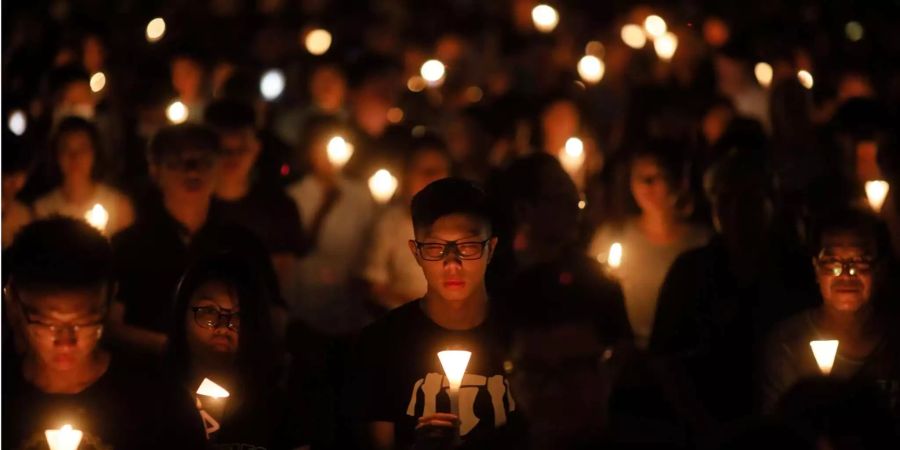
pixel 47 203
pixel 395 321
pixel 797 328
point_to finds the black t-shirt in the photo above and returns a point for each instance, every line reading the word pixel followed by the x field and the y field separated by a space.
pixel 124 409
pixel 399 378
pixel 268 422
pixel 270 214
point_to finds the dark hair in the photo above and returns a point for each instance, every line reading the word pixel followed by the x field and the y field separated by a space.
pixel 59 254
pixel 667 154
pixel 62 77
pixel 449 196
pixel 67 126
pixel 229 115
pixel 430 142
pixel 256 355
pixel 177 139
pixel 859 222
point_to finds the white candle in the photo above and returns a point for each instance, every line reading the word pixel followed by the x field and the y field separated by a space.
pixel 382 185
pixel 824 352
pixel 454 363
pixel 208 388
pixel 339 152
pixel 432 71
pixel 655 26
pixel 545 18
pixel 666 45
pixel 591 69
pixel 614 259
pixel 156 28
pixel 65 438
pixel 177 112
pixel 97 217
pixel 318 41
pixel 572 156
pixel 764 74
pixel 876 192
pixel 633 36
pixel 805 78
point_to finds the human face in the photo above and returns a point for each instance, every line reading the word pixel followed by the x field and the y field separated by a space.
pixel 650 188
pixel 208 332
pixel 844 271
pixel 240 149
pixel 428 166
pixel 76 155
pixel 453 278
pixel 187 177
pixel 62 328
pixel 328 88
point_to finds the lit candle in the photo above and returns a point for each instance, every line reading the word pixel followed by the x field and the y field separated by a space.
pixel 208 388
pixel 97 217
pixel 213 408
pixel 666 45
pixel 65 438
pixel 805 78
pixel 18 122
pixel 572 156
pixel 339 152
pixel 545 18
pixel 318 41
pixel 633 36
pixel 591 69
pixel 876 192
pixel 177 112
pixel 156 29
pixel 764 73
pixel 382 185
pixel 824 351
pixel 98 82
pixel 271 85
pixel 454 363
pixel 614 259
pixel 432 72
pixel 655 26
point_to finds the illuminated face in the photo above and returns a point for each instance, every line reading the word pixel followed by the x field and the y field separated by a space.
pixel 649 186
pixel 76 155
pixel 187 177
pixel 62 328
pixel 458 274
pixel 213 322
pixel 844 271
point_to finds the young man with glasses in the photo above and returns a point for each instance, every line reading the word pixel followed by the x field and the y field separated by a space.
pixel 400 390
pixel 848 269
pixel 56 300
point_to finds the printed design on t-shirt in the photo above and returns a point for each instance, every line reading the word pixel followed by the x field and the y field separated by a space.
pixel 38 441
pixel 210 424
pixel 497 387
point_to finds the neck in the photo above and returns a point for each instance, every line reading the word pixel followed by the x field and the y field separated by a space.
pixel 77 191
pixel 233 190
pixel 70 381
pixel 192 215
pixel 660 226
pixel 458 315
pixel 845 324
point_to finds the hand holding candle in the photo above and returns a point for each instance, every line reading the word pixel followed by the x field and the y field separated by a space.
pixel 824 351
pixel 454 363
pixel 65 438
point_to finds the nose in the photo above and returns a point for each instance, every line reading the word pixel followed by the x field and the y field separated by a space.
pixel 65 338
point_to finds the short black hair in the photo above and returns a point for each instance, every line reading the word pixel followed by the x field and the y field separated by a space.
pixel 229 115
pixel 59 254
pixel 176 139
pixel 859 222
pixel 62 77
pixel 450 196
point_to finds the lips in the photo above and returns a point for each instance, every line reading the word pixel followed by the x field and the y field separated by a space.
pixel 454 284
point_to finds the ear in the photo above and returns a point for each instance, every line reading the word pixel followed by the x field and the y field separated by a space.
pixel 412 248
pixel 492 246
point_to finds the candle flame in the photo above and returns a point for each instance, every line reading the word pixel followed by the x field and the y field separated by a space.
pixel 65 438
pixel 97 217
pixel 633 36
pixel 572 156
pixel 318 41
pixel 805 78
pixel 382 185
pixel 210 389
pixel 876 192
pixel 591 69
pixel 764 73
pixel 614 259
pixel 454 363
pixel 339 152
pixel 655 26
pixel 666 45
pixel 156 28
pixel 177 112
pixel 824 352
pixel 545 18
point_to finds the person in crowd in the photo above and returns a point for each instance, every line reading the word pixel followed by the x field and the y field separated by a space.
pixel 77 162
pixel 241 198
pixel 327 91
pixel 188 78
pixel 16 165
pixel 398 395
pixel 57 299
pixel 849 248
pixel 222 332
pixel 652 239
pixel 392 272
pixel 337 213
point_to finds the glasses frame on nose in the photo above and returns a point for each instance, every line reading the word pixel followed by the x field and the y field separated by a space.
pixel 837 266
pixel 48 331
pixel 451 245
pixel 221 314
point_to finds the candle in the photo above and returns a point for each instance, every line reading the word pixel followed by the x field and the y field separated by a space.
pixel 18 122
pixel 614 259
pixel 65 438
pixel 432 72
pixel 271 85
pixel 655 26
pixel 633 36
pixel 764 73
pixel 876 192
pixel 318 41
pixel 382 185
pixel 208 388
pixel 805 78
pixel 666 45
pixel 572 156
pixel 545 18
pixel 98 82
pixel 454 363
pixel 97 217
pixel 339 152
pixel 177 112
pixel 824 351
pixel 591 69
pixel 156 29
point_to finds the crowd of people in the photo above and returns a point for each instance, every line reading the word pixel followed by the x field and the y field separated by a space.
pixel 227 231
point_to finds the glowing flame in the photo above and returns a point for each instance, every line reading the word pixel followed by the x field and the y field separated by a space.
pixel 764 73
pixel 433 71
pixel 318 41
pixel 633 36
pixel 65 438
pixel 805 78
pixel 666 45
pixel 454 363
pixel 614 259
pixel 339 152
pixel 210 389
pixel 572 156
pixel 98 82
pixel 824 352
pixel 156 29
pixel 655 26
pixel 876 192
pixel 591 69
pixel 545 18
pixel 97 217
pixel 18 122
pixel 177 112
pixel 271 85
pixel 382 185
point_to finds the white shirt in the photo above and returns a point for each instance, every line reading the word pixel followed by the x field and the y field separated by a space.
pixel 121 213
pixel 390 261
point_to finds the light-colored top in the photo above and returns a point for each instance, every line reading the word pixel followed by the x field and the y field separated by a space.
pixel 643 269
pixel 15 216
pixel 121 212
pixel 318 292
pixel 390 261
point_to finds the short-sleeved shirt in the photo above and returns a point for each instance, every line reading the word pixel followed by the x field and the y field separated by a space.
pixel 399 378
pixel 125 408
pixel 269 422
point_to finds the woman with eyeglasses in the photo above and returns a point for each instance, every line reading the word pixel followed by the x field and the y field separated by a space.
pixel 222 332
pixel 848 272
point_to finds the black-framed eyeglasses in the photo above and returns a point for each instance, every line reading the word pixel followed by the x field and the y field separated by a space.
pixel 212 317
pixel 433 251
pixel 44 330
pixel 837 266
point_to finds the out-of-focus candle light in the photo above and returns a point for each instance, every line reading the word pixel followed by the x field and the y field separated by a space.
pixel 655 26
pixel 17 122
pixel 454 363
pixel 177 112
pixel 582 204
pixel 474 94
pixel 876 192
pixel 97 217
pixel 666 45
pixel 339 151
pixel 416 84
pixel 545 18
pixel 763 72
pixel 614 259
pixel 572 155
pixel 854 31
pixel 594 48
pixel 98 82
pixel 382 185
pixel 65 438
pixel 432 72
pixel 824 352
pixel 591 69
pixel 633 36
pixel 271 85
pixel 395 115
pixel 805 78
pixel 208 388
pixel 317 41
pixel 156 29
